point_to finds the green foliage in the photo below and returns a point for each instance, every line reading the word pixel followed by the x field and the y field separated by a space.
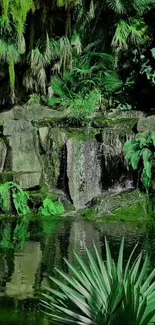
pixel 21 234
pixel 13 197
pixel 103 292
pixel 147 69
pixel 6 237
pixel 98 44
pixel 81 88
pixel 140 153
pixel 12 25
pixel 51 208
pixel 14 239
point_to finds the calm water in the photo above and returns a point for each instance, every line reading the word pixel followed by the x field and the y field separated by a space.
pixel 29 252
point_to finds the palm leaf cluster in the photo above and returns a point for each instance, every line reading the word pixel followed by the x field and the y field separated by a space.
pixel 103 293
pixel 92 39
pixel 140 153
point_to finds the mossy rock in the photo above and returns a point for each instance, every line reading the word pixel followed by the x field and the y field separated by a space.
pixel 127 205
pixel 116 123
pixel 82 134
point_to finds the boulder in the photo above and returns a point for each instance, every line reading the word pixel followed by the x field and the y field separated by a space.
pixel 22 152
pixel 128 204
pixel 37 112
pixel 146 124
pixel 83 171
pixel 117 113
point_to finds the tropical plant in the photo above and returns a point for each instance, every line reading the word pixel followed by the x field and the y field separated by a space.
pixel 140 153
pixel 103 293
pixel 50 208
pixel 12 197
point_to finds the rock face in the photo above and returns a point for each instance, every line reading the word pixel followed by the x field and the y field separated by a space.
pixel 83 171
pixel 146 124
pixel 129 204
pixel 39 147
pixel 23 158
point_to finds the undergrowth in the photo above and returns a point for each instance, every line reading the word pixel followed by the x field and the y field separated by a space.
pixel 15 200
pixel 140 154
pixel 12 197
pixel 51 208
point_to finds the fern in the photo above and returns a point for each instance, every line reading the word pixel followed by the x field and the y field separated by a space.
pixel 141 152
pixel 5 197
pixel 51 208
pixel 20 199
pixel 11 192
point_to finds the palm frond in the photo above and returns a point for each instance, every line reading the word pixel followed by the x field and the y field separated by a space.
pixel 99 292
pixel 142 6
pixel 121 35
pixel 117 5
pixel 111 81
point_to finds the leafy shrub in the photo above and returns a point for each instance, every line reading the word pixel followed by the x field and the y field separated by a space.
pixel 140 153
pixel 51 208
pixel 81 105
pixel 13 197
pixel 103 293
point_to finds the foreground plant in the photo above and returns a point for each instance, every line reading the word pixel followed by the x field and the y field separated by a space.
pixel 103 293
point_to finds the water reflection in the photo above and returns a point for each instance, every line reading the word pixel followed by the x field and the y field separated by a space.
pixel 29 256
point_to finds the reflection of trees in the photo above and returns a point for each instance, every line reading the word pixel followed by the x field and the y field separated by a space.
pixel 6 257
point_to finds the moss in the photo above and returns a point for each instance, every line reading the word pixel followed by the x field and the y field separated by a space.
pixel 82 134
pixel 117 123
pixel 6 177
pixel 125 206
pixel 132 213
pixel 135 213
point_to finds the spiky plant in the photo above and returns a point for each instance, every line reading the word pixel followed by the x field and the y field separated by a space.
pixel 103 293
pixel 140 153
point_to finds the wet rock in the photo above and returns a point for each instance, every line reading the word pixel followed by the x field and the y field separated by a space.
pixel 3 152
pixel 37 112
pixel 126 204
pixel 117 113
pixel 43 133
pixel 83 171
pixel 146 124
pixel 22 152
pixel 54 158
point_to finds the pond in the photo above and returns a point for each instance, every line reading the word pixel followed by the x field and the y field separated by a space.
pixel 30 251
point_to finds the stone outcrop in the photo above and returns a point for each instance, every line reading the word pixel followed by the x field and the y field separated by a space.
pixel 39 147
pixel 83 170
pixel 131 204
pixel 146 124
